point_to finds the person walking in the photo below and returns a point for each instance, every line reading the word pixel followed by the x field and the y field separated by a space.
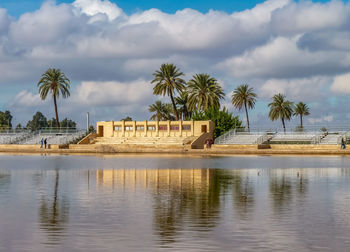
pixel 343 146
pixel 42 143
pixel 45 142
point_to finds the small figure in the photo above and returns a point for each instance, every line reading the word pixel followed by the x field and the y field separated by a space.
pixel 45 142
pixel 42 143
pixel 343 146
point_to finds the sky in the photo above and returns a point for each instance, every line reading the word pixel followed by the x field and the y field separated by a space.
pixel 109 50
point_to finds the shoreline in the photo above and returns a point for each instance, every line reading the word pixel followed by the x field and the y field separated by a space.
pixel 115 150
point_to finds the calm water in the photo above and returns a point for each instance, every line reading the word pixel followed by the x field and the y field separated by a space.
pixel 174 203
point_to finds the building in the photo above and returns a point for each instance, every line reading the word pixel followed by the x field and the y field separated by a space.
pixel 180 133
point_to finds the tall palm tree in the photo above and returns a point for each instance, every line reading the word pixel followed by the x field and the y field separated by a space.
pixel 163 111
pixel 168 80
pixel 280 108
pixel 204 92
pixel 301 109
pixel 182 105
pixel 244 96
pixel 54 81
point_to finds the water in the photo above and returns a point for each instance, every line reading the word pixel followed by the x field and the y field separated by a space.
pixel 174 203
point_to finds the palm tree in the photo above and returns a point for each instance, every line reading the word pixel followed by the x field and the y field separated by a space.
pixel 163 111
pixel 168 80
pixel 301 109
pixel 54 81
pixel 182 105
pixel 243 95
pixel 204 92
pixel 280 108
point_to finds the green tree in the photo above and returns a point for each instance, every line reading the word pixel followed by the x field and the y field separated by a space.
pixel 224 121
pixel 52 122
pixel 127 119
pixel 301 109
pixel 92 129
pixel 162 111
pixel 39 121
pixel 5 119
pixel 55 82
pixel 67 123
pixel 280 108
pixel 168 81
pixel 182 106
pixel 19 126
pixel 204 92
pixel 244 96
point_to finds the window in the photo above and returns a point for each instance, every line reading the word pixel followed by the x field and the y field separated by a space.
pixel 129 128
pixel 140 128
pixel 151 128
pixel 186 127
pixel 163 127
pixel 174 127
pixel 118 128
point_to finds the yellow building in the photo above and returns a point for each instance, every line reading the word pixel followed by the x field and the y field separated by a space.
pixel 180 133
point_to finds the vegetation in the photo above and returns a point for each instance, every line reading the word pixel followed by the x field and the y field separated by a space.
pixel 301 109
pixel 204 92
pixel 162 111
pixel 39 121
pixel 92 129
pixel 127 119
pixel 67 123
pixel 280 108
pixel 55 82
pixel 168 81
pixel 224 121
pixel 182 106
pixel 244 96
pixel 5 119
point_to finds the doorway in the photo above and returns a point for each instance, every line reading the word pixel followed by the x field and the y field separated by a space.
pixel 204 128
pixel 100 131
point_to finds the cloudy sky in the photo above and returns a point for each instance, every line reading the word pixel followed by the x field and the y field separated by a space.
pixel 109 50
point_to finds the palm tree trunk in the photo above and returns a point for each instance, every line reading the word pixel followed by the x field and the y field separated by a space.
pixel 246 113
pixel 284 125
pixel 301 121
pixel 55 102
pixel 174 106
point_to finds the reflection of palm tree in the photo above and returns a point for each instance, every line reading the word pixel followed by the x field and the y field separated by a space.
pixel 197 203
pixel 5 180
pixel 53 218
pixel 281 191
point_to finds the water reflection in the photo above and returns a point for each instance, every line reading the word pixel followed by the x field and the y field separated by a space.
pixel 53 213
pixel 62 205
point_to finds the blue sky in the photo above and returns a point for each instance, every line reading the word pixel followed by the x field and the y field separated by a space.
pixel 18 7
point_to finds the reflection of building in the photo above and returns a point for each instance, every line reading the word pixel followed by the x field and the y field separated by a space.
pixel 154 178
pixel 154 132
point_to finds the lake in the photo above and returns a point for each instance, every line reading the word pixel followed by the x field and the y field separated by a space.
pixel 174 203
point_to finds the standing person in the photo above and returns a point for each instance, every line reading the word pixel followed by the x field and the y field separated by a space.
pixel 45 142
pixel 343 146
pixel 41 142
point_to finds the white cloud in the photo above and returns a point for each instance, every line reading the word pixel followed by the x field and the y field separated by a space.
pixel 26 99
pixel 341 84
pixel 304 89
pixel 318 120
pixel 94 8
pixel 113 93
